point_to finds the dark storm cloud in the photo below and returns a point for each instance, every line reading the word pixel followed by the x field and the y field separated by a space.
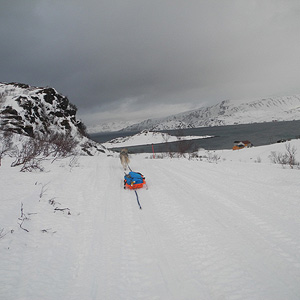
pixel 149 58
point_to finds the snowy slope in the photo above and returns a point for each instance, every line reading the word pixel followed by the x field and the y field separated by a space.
pixel 109 126
pixel 206 231
pixel 39 112
pixel 228 113
pixel 148 137
pixel 28 110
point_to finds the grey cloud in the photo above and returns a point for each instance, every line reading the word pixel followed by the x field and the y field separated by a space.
pixel 106 54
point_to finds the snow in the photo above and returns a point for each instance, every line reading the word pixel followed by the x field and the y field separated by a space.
pixel 228 112
pixel 148 137
pixel 109 126
pixel 225 230
pixel 39 109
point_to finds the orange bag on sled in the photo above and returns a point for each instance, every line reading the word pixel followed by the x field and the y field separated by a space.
pixel 134 180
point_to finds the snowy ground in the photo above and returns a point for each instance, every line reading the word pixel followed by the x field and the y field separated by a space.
pixel 226 230
pixel 148 137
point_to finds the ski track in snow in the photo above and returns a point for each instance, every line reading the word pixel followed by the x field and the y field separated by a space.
pixel 205 231
pixel 228 275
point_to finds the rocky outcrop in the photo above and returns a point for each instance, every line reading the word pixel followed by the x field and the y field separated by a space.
pixel 39 111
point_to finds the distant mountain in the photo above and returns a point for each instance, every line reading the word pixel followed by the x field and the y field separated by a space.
pixel 227 113
pixel 39 111
pixel 147 137
pixel 109 126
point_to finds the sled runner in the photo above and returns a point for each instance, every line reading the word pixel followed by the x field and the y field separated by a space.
pixel 134 180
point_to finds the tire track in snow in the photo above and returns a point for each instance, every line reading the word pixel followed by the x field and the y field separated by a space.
pixel 243 281
pixel 163 262
pixel 212 270
pixel 251 211
pixel 160 270
pixel 275 245
pixel 99 230
pixel 140 271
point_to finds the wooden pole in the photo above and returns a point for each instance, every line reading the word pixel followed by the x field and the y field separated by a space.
pixel 153 151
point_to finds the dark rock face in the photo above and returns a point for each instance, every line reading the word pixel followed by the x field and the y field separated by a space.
pixel 36 110
pixel 43 112
pixel 49 95
pixel 8 110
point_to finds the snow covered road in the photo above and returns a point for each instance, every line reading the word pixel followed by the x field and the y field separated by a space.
pixel 206 231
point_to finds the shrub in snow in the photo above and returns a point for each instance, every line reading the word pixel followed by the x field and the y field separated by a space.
pixel 59 144
pixel 6 144
pixel 29 156
pixel 287 158
pixel 184 146
pixel 212 157
pixel 193 155
pixel 30 152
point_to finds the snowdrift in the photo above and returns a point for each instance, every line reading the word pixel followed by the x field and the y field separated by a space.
pixel 209 229
pixel 147 137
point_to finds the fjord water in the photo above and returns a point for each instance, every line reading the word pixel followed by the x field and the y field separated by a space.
pixel 223 136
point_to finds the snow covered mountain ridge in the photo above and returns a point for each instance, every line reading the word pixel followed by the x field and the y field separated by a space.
pixel 147 137
pixel 39 111
pixel 228 113
pixel 109 126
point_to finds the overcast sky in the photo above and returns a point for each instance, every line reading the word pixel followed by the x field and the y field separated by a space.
pixel 138 59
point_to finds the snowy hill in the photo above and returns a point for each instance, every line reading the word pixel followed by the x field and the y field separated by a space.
pixel 109 126
pixel 228 113
pixel 38 111
pixel 148 137
pixel 213 225
pixel 226 230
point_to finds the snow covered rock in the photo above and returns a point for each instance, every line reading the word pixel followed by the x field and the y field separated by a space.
pixel 109 126
pixel 147 137
pixel 228 113
pixel 41 111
